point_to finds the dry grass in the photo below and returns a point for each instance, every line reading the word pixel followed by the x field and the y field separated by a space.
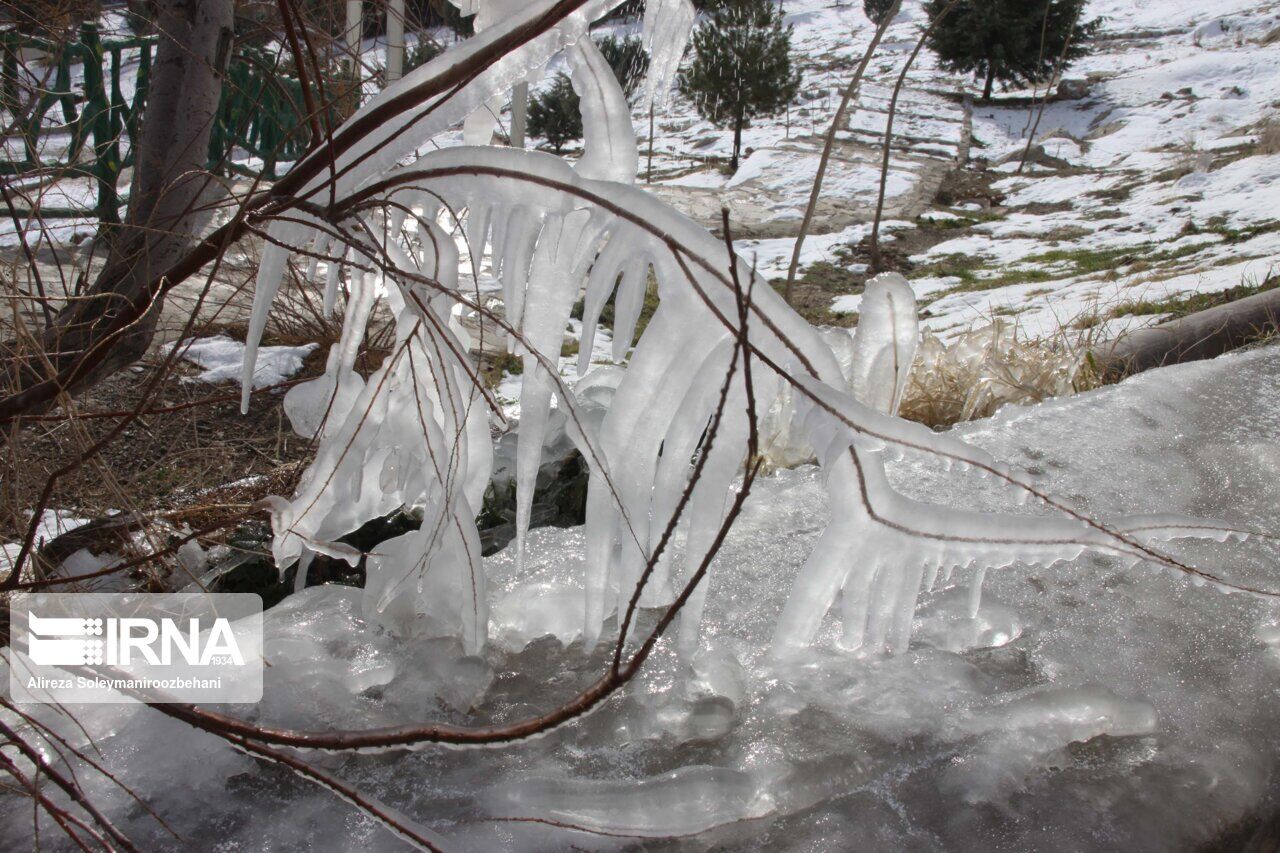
pixel 989 367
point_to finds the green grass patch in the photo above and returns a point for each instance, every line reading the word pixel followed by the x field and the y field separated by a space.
pixel 493 367
pixel 1181 306
pixel 1229 235
pixel 964 268
pixel 831 278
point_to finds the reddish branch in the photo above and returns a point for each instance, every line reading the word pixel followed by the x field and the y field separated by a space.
pixel 34 395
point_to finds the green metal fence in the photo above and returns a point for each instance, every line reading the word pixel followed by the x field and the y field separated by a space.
pixel 261 113
pixel 90 110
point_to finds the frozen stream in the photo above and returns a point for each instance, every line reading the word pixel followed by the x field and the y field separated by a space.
pixel 1089 706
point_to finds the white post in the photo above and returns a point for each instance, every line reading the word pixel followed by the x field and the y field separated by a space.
pixel 519 113
pixel 355 33
pixel 395 39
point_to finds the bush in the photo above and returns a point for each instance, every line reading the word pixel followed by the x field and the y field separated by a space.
pixel 554 114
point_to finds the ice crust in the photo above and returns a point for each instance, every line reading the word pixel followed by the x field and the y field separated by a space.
pixel 772 697
pixel 1089 706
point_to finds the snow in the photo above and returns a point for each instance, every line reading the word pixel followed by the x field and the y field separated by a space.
pixel 1088 706
pixel 53 523
pixel 223 358
pixel 773 257
pixel 846 304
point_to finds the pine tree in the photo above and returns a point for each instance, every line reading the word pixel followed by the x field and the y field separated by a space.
pixel 1010 41
pixel 555 115
pixel 741 67
pixel 876 10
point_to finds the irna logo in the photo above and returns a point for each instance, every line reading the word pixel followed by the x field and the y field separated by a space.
pixel 69 641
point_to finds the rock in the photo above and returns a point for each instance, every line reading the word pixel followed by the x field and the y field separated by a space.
pixel 253 570
pixel 1105 129
pixel 1036 155
pixel 1073 89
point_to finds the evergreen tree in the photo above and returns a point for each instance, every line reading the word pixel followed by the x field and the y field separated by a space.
pixel 1010 41
pixel 555 115
pixel 741 67
pixel 876 9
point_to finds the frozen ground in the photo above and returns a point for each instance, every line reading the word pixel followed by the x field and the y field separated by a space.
pixel 1090 706
pixel 1166 187
pixel 1167 190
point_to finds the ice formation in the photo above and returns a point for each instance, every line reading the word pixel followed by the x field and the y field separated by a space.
pixel 416 433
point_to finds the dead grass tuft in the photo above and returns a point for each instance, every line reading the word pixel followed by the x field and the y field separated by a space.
pixel 989 367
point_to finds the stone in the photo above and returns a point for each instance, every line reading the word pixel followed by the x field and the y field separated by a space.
pixel 1073 89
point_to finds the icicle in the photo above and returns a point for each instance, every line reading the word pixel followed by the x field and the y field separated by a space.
pixel 331 287
pixel 609 141
pixel 320 247
pixel 550 299
pixel 477 234
pixel 884 343
pixel 707 509
pixel 304 566
pixel 600 286
pixel 627 306
pixel 975 591
pixel 523 228
pixel 825 571
pixel 668 24
pixel 270 272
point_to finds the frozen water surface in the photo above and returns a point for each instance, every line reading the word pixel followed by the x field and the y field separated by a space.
pixel 1089 705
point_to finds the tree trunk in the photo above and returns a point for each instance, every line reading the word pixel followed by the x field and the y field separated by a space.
pixel 169 179
pixel 1205 334
pixel 991 84
pixel 737 143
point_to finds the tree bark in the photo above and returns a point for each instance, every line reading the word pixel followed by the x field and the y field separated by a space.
pixel 169 179
pixel 1205 334
pixel 737 143
pixel 989 89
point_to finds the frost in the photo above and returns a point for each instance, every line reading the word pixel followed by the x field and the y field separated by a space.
pixel 1085 701
pixel 416 432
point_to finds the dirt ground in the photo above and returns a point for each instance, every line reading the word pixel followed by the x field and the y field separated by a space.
pixel 822 282
pixel 192 439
